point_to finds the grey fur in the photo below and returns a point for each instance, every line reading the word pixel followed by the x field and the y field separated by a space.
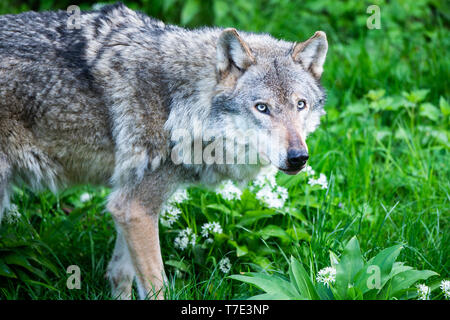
pixel 100 104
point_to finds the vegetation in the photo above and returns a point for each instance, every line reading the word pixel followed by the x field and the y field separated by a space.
pixel 379 172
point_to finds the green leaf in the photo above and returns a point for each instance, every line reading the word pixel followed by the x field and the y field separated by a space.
pixel 334 260
pixel 219 207
pixel 6 271
pixel 16 259
pixel 444 106
pixel 429 111
pixel 417 95
pixel 274 231
pixel 403 281
pixel 178 264
pixel 254 215
pixel 380 265
pixel 298 233
pixel 350 264
pixel 301 279
pixel 399 267
pixel 354 293
pixel 324 292
pixel 273 285
pixel 240 250
pixel 375 95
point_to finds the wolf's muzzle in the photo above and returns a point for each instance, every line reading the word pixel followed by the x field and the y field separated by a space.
pixel 297 158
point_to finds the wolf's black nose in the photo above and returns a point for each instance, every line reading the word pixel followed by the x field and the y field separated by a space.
pixel 297 157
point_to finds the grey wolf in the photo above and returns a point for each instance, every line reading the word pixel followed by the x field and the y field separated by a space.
pixel 100 104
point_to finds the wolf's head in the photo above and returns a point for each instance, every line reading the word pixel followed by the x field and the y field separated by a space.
pixel 272 88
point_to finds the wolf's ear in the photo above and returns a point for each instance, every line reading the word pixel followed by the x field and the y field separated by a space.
pixel 232 52
pixel 311 53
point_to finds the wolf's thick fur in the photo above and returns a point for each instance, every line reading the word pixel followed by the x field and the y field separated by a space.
pixel 100 105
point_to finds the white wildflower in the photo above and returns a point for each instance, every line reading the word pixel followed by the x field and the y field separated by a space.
pixel 179 196
pixel 423 292
pixel 321 181
pixel 185 238
pixel 309 171
pixel 13 215
pixel 445 287
pixel 211 228
pixel 225 265
pixel 169 215
pixel 85 197
pixel 266 177
pixel 273 198
pixel 229 191
pixel 326 276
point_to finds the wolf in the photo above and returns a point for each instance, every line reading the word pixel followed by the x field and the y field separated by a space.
pixel 102 102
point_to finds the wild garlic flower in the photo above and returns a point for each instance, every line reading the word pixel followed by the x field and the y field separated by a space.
pixel 179 196
pixel 321 181
pixel 309 171
pixel 326 276
pixel 423 292
pixel 229 191
pixel 273 198
pixel 169 215
pixel 85 197
pixel 225 265
pixel 267 177
pixel 185 238
pixel 445 287
pixel 13 215
pixel 170 212
pixel 211 228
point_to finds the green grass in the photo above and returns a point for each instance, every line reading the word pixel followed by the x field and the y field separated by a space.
pixel 384 147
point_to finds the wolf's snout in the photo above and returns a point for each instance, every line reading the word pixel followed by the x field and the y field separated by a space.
pixel 297 157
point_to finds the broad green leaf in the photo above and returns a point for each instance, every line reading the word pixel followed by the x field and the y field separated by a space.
pixel 429 111
pixel 254 215
pixel 416 95
pixel 350 264
pixel 180 265
pixel 399 267
pixel 219 207
pixel 267 296
pixel 301 279
pixel 298 234
pixel 444 106
pixel 240 250
pixel 274 231
pixel 376 94
pixel 262 262
pixel 353 293
pixel 403 281
pixel 379 266
pixel 271 284
pixel 324 292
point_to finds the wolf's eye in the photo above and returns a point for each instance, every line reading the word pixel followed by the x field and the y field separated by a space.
pixel 301 104
pixel 261 107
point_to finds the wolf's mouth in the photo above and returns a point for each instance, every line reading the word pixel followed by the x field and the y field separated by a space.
pixel 292 172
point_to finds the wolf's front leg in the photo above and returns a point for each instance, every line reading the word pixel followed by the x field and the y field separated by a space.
pixel 138 223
